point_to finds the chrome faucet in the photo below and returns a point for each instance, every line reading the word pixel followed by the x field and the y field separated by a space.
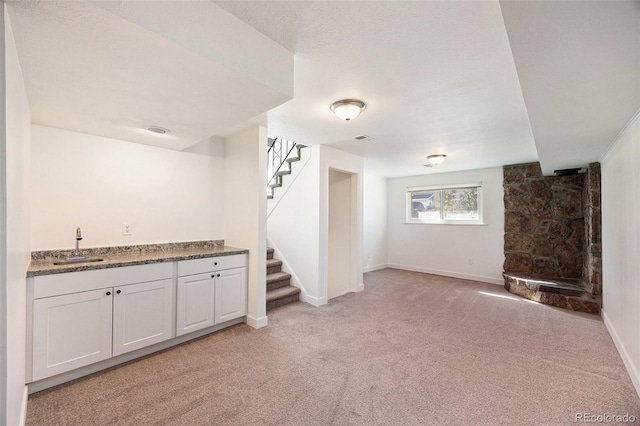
pixel 77 254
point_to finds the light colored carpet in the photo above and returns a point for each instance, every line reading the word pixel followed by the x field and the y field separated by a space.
pixel 412 349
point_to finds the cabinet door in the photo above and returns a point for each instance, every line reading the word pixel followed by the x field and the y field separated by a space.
pixel 71 331
pixel 195 306
pixel 231 294
pixel 142 315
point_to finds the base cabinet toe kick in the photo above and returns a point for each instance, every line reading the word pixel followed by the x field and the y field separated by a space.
pixel 82 322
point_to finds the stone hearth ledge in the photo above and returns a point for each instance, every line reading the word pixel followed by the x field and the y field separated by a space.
pixel 119 256
pixel 561 293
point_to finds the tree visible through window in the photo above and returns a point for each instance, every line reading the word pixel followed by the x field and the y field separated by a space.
pixel 445 204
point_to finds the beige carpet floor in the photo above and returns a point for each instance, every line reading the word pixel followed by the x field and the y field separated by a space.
pixel 412 349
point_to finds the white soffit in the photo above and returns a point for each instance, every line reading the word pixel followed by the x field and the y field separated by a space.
pixel 579 68
pixel 114 68
pixel 437 77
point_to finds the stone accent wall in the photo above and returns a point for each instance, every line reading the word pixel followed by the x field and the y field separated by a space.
pixel 592 269
pixel 544 223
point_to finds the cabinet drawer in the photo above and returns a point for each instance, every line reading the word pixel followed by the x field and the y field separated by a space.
pixel 201 266
pixel 74 282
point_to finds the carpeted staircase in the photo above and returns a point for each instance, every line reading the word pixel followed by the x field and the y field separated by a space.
pixel 280 292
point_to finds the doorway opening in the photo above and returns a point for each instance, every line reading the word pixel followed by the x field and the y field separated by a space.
pixel 340 273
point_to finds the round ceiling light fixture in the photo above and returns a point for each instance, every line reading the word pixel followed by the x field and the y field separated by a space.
pixel 436 159
pixel 348 109
pixel 158 130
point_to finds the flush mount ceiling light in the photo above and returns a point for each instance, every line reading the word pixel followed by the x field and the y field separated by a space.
pixel 436 159
pixel 158 130
pixel 348 109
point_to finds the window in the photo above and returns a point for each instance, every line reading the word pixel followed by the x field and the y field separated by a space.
pixel 459 204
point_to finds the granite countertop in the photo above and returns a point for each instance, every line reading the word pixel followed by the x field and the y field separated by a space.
pixel 115 257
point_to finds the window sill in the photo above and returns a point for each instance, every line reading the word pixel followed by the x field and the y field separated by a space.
pixel 447 223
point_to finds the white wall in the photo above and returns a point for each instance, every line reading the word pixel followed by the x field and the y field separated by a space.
pixel 298 224
pixel 15 197
pixel 99 183
pixel 3 222
pixel 621 246
pixel 374 223
pixel 445 249
pixel 292 225
pixel 245 220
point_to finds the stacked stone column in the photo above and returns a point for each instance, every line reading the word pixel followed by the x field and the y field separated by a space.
pixel 552 225
pixel 592 270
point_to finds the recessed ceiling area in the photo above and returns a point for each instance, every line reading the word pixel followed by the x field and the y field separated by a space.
pixel 487 83
pixel 114 69
pixel 436 77
pixel 579 68
pixel 441 77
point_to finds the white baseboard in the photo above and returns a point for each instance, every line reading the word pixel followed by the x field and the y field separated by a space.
pixel 256 322
pixel 315 301
pixel 360 287
pixel 626 359
pixel 497 281
pixel 375 267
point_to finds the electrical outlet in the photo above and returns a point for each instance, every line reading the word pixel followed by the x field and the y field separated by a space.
pixel 126 229
pixel 470 261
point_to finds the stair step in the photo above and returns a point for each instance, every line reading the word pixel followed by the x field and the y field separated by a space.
pixel 282 296
pixel 275 185
pixel 278 276
pixel 292 159
pixel 270 253
pixel 278 280
pixel 282 292
pixel 284 172
pixel 273 266
pixel 273 262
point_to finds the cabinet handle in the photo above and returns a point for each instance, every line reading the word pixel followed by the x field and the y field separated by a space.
pixel 213 276
pixel 215 263
pixel 119 291
pixel 218 274
pixel 108 293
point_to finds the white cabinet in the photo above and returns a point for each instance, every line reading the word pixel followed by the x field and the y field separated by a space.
pixel 231 294
pixel 195 303
pixel 80 318
pixel 71 331
pixel 210 291
pixel 142 315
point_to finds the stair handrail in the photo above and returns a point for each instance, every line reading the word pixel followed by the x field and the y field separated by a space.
pixel 275 159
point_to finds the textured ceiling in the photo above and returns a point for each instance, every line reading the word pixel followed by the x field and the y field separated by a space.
pixel 115 68
pixel 438 77
pixel 486 83
pixel 579 67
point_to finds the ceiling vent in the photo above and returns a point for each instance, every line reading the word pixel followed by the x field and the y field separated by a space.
pixel 363 138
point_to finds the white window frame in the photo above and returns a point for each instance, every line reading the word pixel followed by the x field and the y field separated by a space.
pixel 408 205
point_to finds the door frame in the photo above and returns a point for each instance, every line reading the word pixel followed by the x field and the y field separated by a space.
pixel 356 276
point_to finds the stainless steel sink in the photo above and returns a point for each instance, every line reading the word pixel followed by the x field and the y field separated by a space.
pixel 78 260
